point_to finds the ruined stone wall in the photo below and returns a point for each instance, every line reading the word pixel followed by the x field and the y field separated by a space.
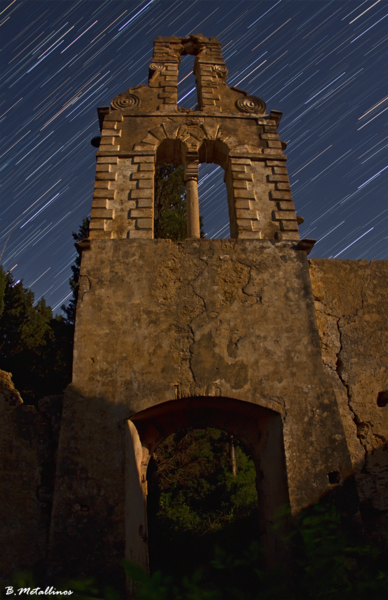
pixel 159 321
pixel 351 302
pixel 28 442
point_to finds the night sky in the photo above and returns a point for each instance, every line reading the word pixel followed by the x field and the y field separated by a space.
pixel 322 63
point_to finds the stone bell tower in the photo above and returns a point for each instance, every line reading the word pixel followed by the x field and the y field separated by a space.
pixel 229 127
pixel 199 333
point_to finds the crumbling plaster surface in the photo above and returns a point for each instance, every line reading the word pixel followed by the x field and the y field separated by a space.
pixel 351 301
pixel 159 321
pixel 209 318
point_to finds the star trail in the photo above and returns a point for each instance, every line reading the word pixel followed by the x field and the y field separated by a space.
pixel 322 63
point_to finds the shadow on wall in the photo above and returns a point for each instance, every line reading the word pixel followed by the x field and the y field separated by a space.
pixel 86 531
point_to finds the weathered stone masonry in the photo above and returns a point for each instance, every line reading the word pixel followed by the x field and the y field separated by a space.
pixel 244 334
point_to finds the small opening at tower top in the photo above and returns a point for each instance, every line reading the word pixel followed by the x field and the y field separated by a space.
pixel 187 89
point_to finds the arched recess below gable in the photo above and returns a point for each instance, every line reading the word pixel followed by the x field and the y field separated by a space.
pixel 259 430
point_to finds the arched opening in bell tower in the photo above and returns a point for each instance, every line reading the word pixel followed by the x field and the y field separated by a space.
pixel 204 199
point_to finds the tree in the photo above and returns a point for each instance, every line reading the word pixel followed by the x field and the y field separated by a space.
pixel 70 309
pixel 170 204
pixel 196 501
pixel 35 347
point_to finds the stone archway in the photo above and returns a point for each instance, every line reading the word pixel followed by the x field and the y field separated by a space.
pixel 258 429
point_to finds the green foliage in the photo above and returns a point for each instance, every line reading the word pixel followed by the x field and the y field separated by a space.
pixel 325 561
pixel 196 502
pixel 69 310
pixel 198 491
pixel 35 347
pixel 170 203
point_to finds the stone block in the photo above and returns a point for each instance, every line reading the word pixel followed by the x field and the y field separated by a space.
pixel 103 194
pixel 107 141
pixel 100 203
pixel 283 186
pixel 101 213
pixel 145 184
pixel 241 161
pixel 102 185
pixel 107 148
pixel 273 144
pixel 279 195
pixel 146 167
pixel 150 139
pixel 289 225
pixel 277 178
pixel 243 203
pixel 274 153
pixel 107 159
pixel 101 168
pixel 269 136
pixel 142 193
pixel 246 214
pixel 144 159
pixel 144 223
pixel 97 224
pixel 106 175
pixel 110 132
pixel 275 163
pixel 241 193
pixel 249 235
pixel 144 174
pixel 140 213
pixel 240 176
pixel 240 183
pixel 114 116
pixel 144 203
pixel 280 170
pixel 284 215
pixel 285 205
pixel 292 236
pixel 99 234
pixel 244 224
pixel 238 167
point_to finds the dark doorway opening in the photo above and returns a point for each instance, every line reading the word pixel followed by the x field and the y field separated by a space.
pixel 202 503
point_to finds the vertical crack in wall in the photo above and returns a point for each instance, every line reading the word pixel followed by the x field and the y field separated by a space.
pixel 340 362
pixel 339 370
pixel 190 326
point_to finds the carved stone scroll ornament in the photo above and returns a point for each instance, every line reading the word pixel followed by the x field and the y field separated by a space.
pixel 125 100
pixel 251 104
pixel 221 71
pixel 156 67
